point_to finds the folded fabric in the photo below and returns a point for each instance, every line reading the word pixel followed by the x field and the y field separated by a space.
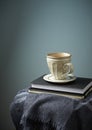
pixel 50 112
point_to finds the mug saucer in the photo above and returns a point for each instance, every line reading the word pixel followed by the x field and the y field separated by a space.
pixel 50 78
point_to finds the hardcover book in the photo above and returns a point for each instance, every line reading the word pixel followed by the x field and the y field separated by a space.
pixel 76 89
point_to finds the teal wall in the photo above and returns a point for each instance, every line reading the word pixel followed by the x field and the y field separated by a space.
pixel 32 28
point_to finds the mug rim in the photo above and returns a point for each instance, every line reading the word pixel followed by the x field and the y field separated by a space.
pixel 58 55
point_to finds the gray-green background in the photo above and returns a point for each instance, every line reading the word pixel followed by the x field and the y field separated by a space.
pixel 32 28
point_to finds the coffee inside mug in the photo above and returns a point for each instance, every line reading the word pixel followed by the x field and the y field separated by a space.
pixel 58 55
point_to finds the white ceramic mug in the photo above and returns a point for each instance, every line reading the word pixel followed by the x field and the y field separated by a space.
pixel 60 65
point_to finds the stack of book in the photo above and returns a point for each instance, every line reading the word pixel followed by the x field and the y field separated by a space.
pixel 79 88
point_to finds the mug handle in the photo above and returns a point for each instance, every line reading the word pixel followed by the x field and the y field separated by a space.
pixel 70 68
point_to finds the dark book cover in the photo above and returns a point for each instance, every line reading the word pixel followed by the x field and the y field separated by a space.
pixel 65 94
pixel 80 87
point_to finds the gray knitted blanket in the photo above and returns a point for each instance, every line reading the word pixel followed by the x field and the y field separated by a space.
pixel 50 112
